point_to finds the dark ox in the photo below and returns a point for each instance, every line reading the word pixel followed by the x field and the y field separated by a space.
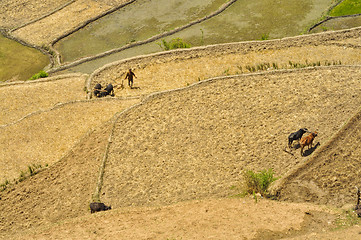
pixel 97 89
pixel 296 136
pixel 109 90
pixel 97 207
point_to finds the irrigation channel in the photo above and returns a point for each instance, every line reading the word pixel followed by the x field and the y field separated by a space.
pixel 241 21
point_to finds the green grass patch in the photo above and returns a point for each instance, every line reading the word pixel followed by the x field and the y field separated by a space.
pixel 265 36
pixel 347 7
pixel 258 182
pixel 173 44
pixel 41 74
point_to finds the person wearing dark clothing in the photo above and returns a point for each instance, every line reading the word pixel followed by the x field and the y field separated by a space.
pixel 129 76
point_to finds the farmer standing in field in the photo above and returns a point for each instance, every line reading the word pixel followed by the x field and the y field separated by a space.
pixel 130 76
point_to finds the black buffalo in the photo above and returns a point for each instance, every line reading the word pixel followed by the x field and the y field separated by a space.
pixel 97 207
pixel 109 90
pixel 296 136
pixel 97 89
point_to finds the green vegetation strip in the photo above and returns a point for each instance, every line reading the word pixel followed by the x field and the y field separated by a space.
pixel 342 9
pixel 346 7
pixel 33 169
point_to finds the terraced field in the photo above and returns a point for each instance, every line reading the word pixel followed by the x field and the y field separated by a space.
pixel 168 155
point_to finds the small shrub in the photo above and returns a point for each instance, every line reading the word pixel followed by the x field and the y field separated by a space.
pixel 4 185
pixel 31 170
pixel 240 68
pixel 258 182
pixel 202 38
pixel 265 37
pixel 173 44
pixel 22 176
pixel 34 169
pixel 41 74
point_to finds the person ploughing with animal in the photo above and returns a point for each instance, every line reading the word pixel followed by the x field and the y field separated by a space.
pixel 130 74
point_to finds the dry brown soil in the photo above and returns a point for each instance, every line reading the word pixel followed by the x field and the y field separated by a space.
pixel 64 20
pixel 19 12
pixel 194 143
pixel 185 145
pixel 41 121
pixel 175 158
pixel 331 175
pixel 180 68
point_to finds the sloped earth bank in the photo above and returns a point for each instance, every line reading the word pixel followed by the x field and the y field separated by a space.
pixel 179 68
pixel 22 98
pixel 62 191
pixel 331 175
pixel 195 142
pixel 210 219
pixel 191 144
pixel 44 137
pixel 19 12
pixel 65 20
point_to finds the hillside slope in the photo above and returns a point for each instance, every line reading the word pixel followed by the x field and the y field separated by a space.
pixel 195 142
pixel 62 191
pixel 186 144
pixel 331 175
pixel 20 99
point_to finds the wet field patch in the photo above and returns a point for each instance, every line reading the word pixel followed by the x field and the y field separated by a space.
pixel 135 22
pixel 338 24
pixel 245 21
pixel 18 62
pixel 242 21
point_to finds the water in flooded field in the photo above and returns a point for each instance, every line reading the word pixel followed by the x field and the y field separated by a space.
pixel 135 22
pixel 254 20
pixel 338 24
pixel 242 21
pixel 18 62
